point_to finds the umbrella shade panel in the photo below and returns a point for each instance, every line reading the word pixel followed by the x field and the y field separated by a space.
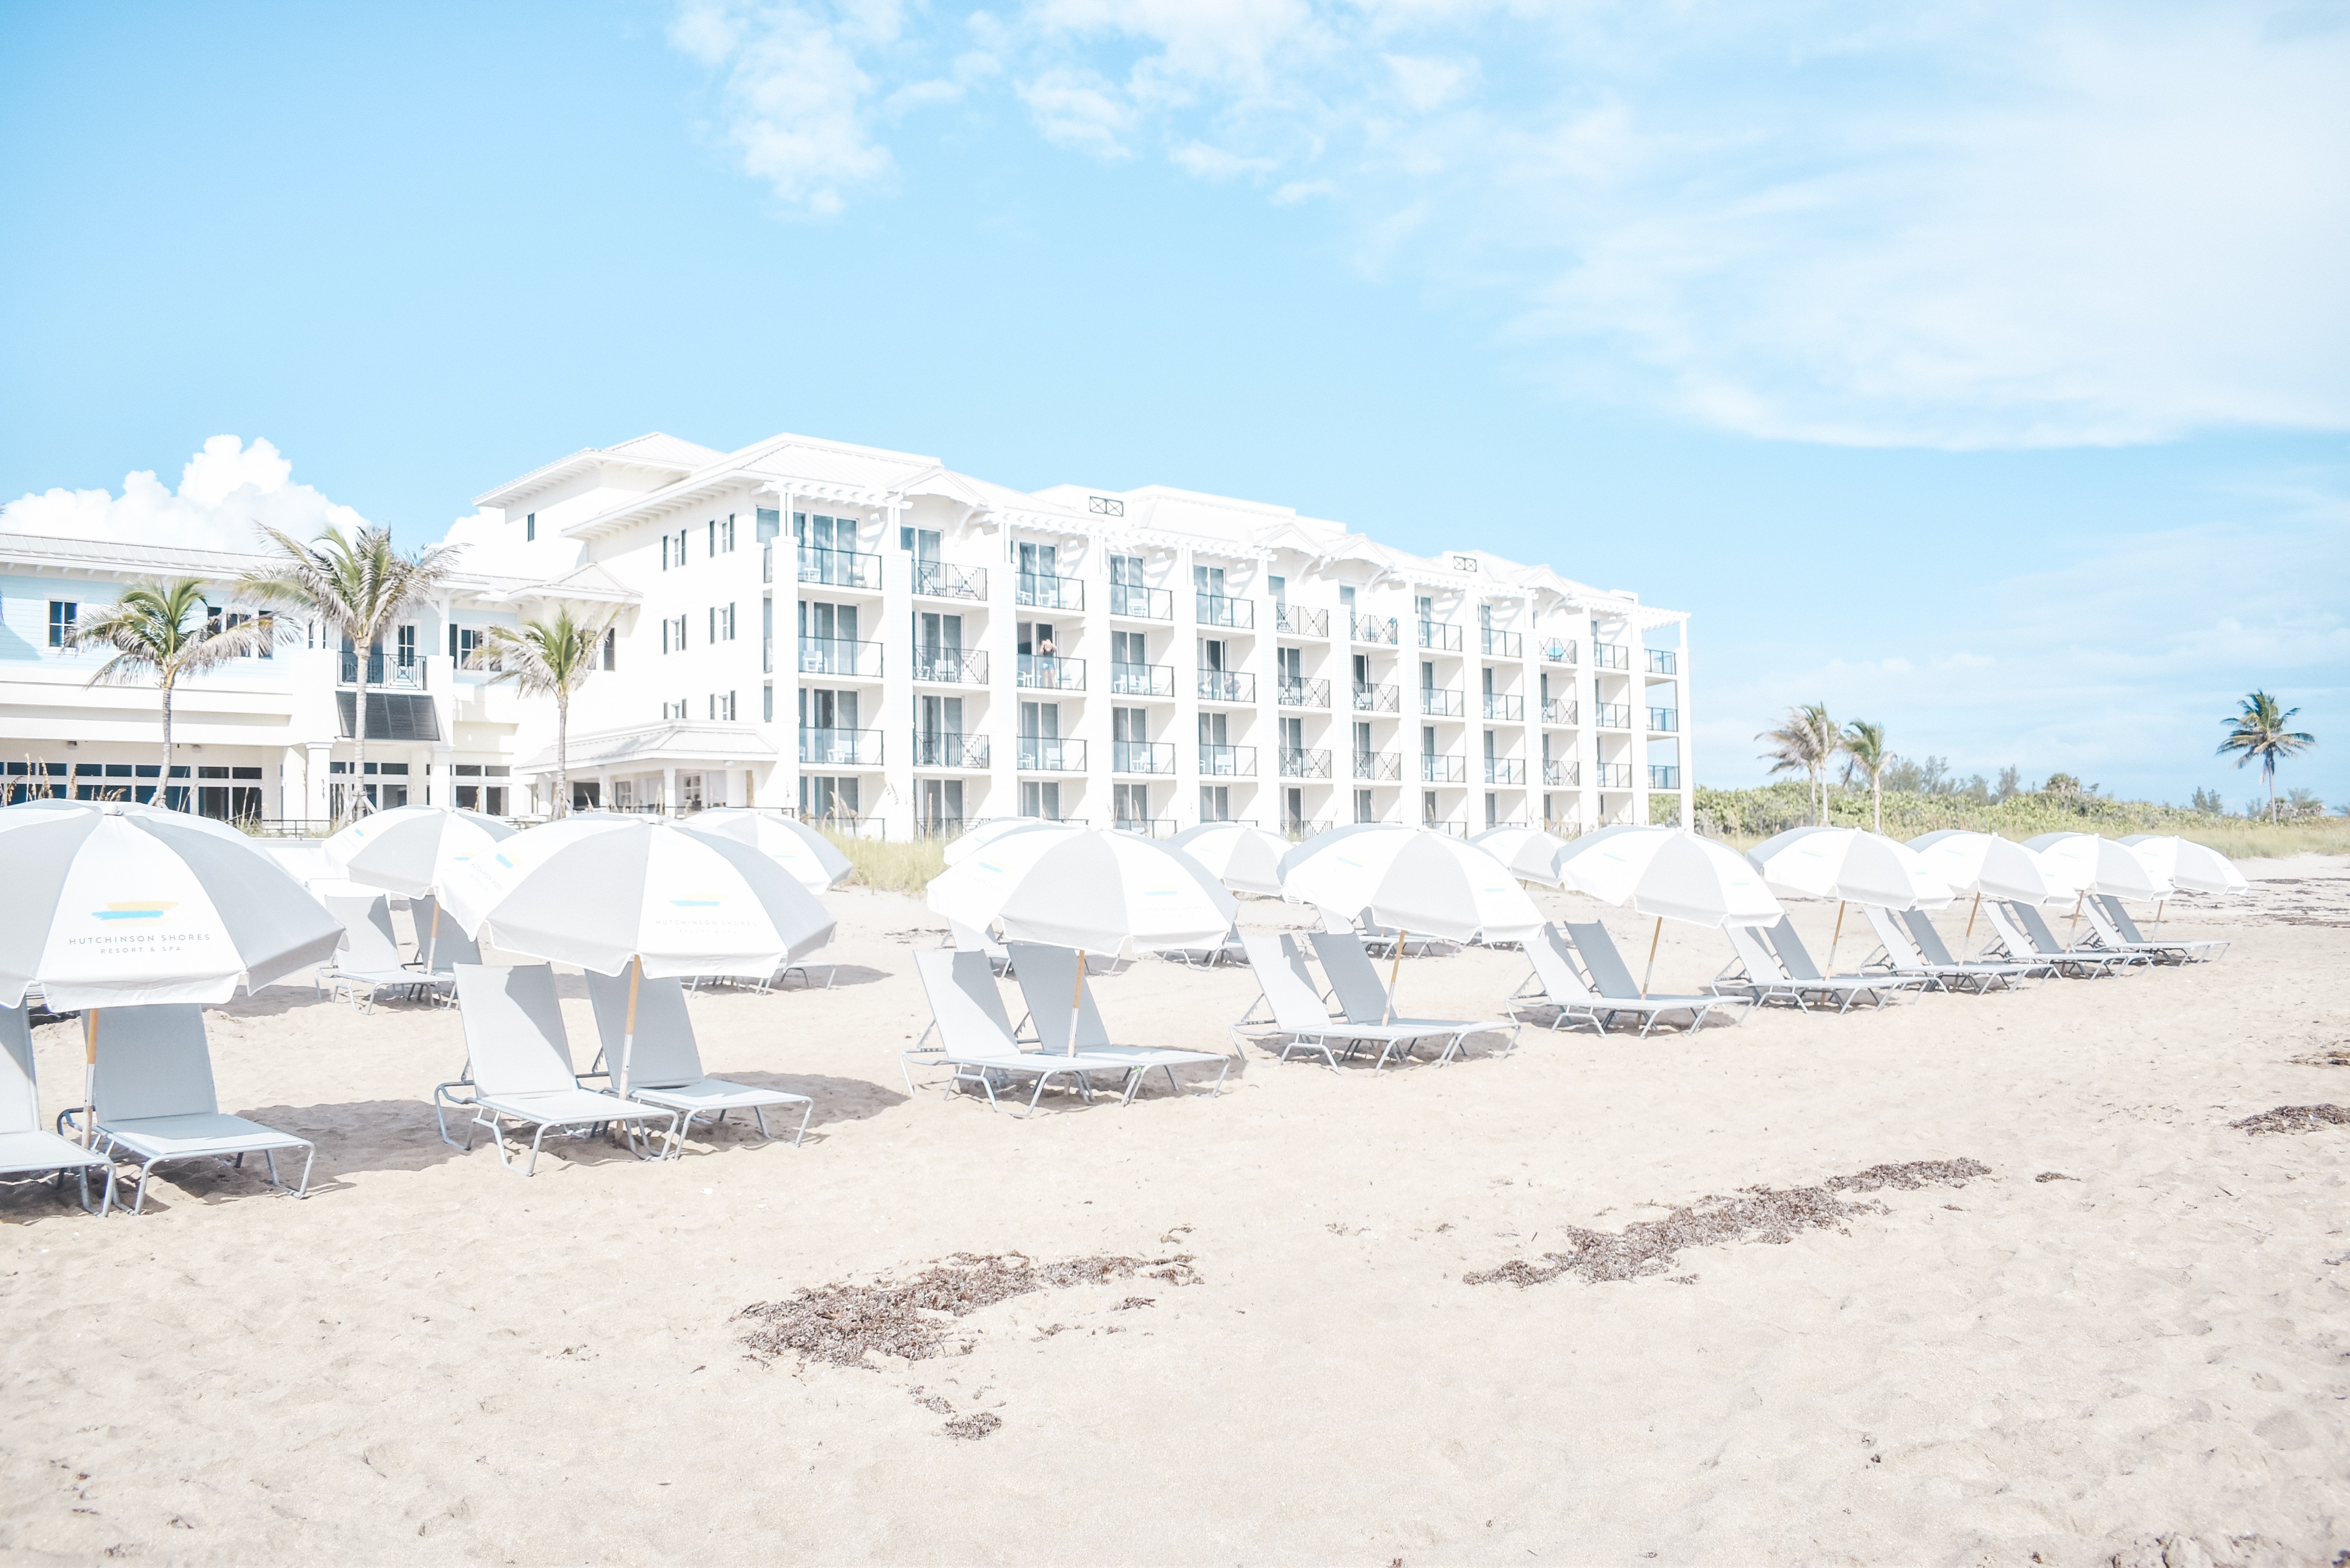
pixel 1244 858
pixel 413 850
pixel 1414 879
pixel 1672 874
pixel 814 860
pixel 1102 892
pixel 2089 862
pixel 1531 854
pixel 2186 865
pixel 1847 864
pixel 987 833
pixel 1985 865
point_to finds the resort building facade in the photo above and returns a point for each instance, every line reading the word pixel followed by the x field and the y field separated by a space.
pixel 867 636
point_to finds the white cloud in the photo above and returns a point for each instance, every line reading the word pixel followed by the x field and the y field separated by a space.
pixel 1079 109
pixel 1429 84
pixel 1215 163
pixel 226 493
pixel 797 103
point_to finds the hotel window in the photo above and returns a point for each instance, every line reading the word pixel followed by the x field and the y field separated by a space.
pixel 674 635
pixel 61 621
pixel 611 639
pixel 767 704
pixel 529 526
pixel 462 641
pixel 406 644
pixel 713 536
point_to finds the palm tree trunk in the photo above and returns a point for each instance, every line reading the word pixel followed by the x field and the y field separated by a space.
pixel 164 804
pixel 562 751
pixel 1877 801
pixel 2268 767
pixel 360 806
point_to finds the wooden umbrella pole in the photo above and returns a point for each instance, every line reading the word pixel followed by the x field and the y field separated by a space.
pixel 1076 1000
pixel 432 943
pixel 2158 915
pixel 1836 937
pixel 2081 898
pixel 1395 970
pixel 1971 919
pixel 629 1034
pixel 90 1077
pixel 1650 973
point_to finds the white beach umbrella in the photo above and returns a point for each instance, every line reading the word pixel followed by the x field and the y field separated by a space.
pixel 1245 859
pixel 1531 854
pixel 410 849
pixel 800 849
pixel 2084 863
pixel 610 892
pixel 1672 873
pixel 2187 866
pixel 986 833
pixel 1849 866
pixel 1086 889
pixel 1980 865
pixel 115 905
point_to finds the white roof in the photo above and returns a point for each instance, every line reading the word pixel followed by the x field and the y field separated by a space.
pixel 113 558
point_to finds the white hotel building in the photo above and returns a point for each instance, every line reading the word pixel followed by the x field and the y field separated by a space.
pixel 864 634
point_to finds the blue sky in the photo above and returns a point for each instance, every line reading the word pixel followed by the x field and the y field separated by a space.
pixel 1984 370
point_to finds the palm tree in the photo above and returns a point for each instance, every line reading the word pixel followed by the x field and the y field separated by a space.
pixel 1808 740
pixel 2259 731
pixel 166 630
pixel 357 585
pixel 1864 743
pixel 545 659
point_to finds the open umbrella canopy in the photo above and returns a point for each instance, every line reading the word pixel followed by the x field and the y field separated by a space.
pixel 986 833
pixel 117 905
pixel 1531 854
pixel 2186 865
pixel 1848 865
pixel 814 860
pixel 410 849
pixel 2089 863
pixel 600 890
pixel 1244 858
pixel 1083 888
pixel 1985 864
pixel 1412 878
pixel 1669 873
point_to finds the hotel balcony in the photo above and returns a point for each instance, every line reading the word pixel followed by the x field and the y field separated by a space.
pixel 1441 635
pixel 1558 650
pixel 1378 767
pixel 1049 672
pixel 1562 774
pixel 1664 776
pixel 1664 720
pixel 836 657
pixel 945 751
pixel 1149 827
pixel 1379 629
pixel 1610 656
pixel 390 676
pixel 939 580
pixel 1370 699
pixel 1614 775
pixel 1305 694
pixel 1141 757
pixel 1227 762
pixel 1500 644
pixel 1046 754
pixel 1440 701
pixel 1048 592
pixel 949 667
pixel 1227 686
pixel 1612 715
pixel 1135 602
pixel 1443 770
pixel 1305 765
pixel 1296 620
pixel 1215 609
pixel 1505 771
pixel 1501 705
pixel 841 748
pixel 1559 710
pixel 1663 661
pixel 839 568
pixel 1142 680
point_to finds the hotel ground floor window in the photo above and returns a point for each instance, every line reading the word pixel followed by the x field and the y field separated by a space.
pixel 1363 806
pixel 689 792
pixel 822 795
pixel 1040 798
pixel 941 806
pixel 1216 803
pixel 586 795
pixel 1130 802
pixel 473 794
pixel 386 785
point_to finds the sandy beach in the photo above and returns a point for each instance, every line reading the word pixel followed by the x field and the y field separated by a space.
pixel 2127 1343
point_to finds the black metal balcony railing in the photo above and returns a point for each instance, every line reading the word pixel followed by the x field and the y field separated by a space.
pixel 1046 754
pixel 1149 827
pixel 1610 656
pixel 1141 757
pixel 1443 770
pixel 1559 710
pixel 1138 603
pixel 1378 767
pixel 1305 765
pixel 1500 644
pixel 1142 680
pixel 1560 774
pixel 391 675
pixel 1299 621
pixel 1302 827
pixel 941 749
pixel 1612 715
pixel 1305 694
pixel 1375 629
pixel 1501 705
pixel 949 666
pixel 1371 698
pixel 940 580
pixel 1664 776
pixel 839 568
pixel 1558 650
pixel 1049 672
pixel 1227 686
pixel 1048 592
pixel 1662 661
pixel 1215 609
pixel 1441 701
pixel 1505 771
pixel 1441 635
pixel 835 656
pixel 1613 776
pixel 1227 762
pixel 841 748
pixel 1664 720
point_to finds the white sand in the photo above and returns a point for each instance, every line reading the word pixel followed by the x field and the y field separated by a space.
pixel 431 1360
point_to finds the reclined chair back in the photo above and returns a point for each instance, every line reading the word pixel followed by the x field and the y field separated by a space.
pixel 513 1029
pixel 961 987
pixel 2102 926
pixel 1553 963
pixel 1280 968
pixel 441 943
pixel 1763 965
pixel 664 1055
pixel 1048 977
pixel 1898 949
pixel 1609 975
pixel 367 942
pixel 20 1090
pixel 1794 956
pixel 2035 927
pixel 1362 994
pixel 154 1062
pixel 1930 940
pixel 2119 916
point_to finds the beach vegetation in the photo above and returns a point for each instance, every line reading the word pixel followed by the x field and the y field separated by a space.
pixel 2258 731
pixel 1806 740
pixel 166 630
pixel 890 865
pixel 1864 747
pixel 545 659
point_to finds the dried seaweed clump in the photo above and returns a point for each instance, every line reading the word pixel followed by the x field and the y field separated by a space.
pixel 1763 1214
pixel 975 1427
pixel 844 1324
pixel 2295 1118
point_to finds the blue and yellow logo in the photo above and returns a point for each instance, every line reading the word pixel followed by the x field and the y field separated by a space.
pixel 147 910
pixel 693 903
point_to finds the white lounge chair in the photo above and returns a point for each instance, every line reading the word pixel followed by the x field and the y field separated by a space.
pixel 1843 989
pixel 1899 954
pixel 1558 984
pixel 1363 997
pixel 1048 980
pixel 1228 952
pixel 2111 928
pixel 1935 950
pixel 1301 1019
pixel 368 959
pixel 963 938
pixel 441 944
pixel 520 1059
pixel 156 1103
pixel 664 1062
pixel 975 1037
pixel 1612 978
pixel 2026 939
pixel 27 1147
